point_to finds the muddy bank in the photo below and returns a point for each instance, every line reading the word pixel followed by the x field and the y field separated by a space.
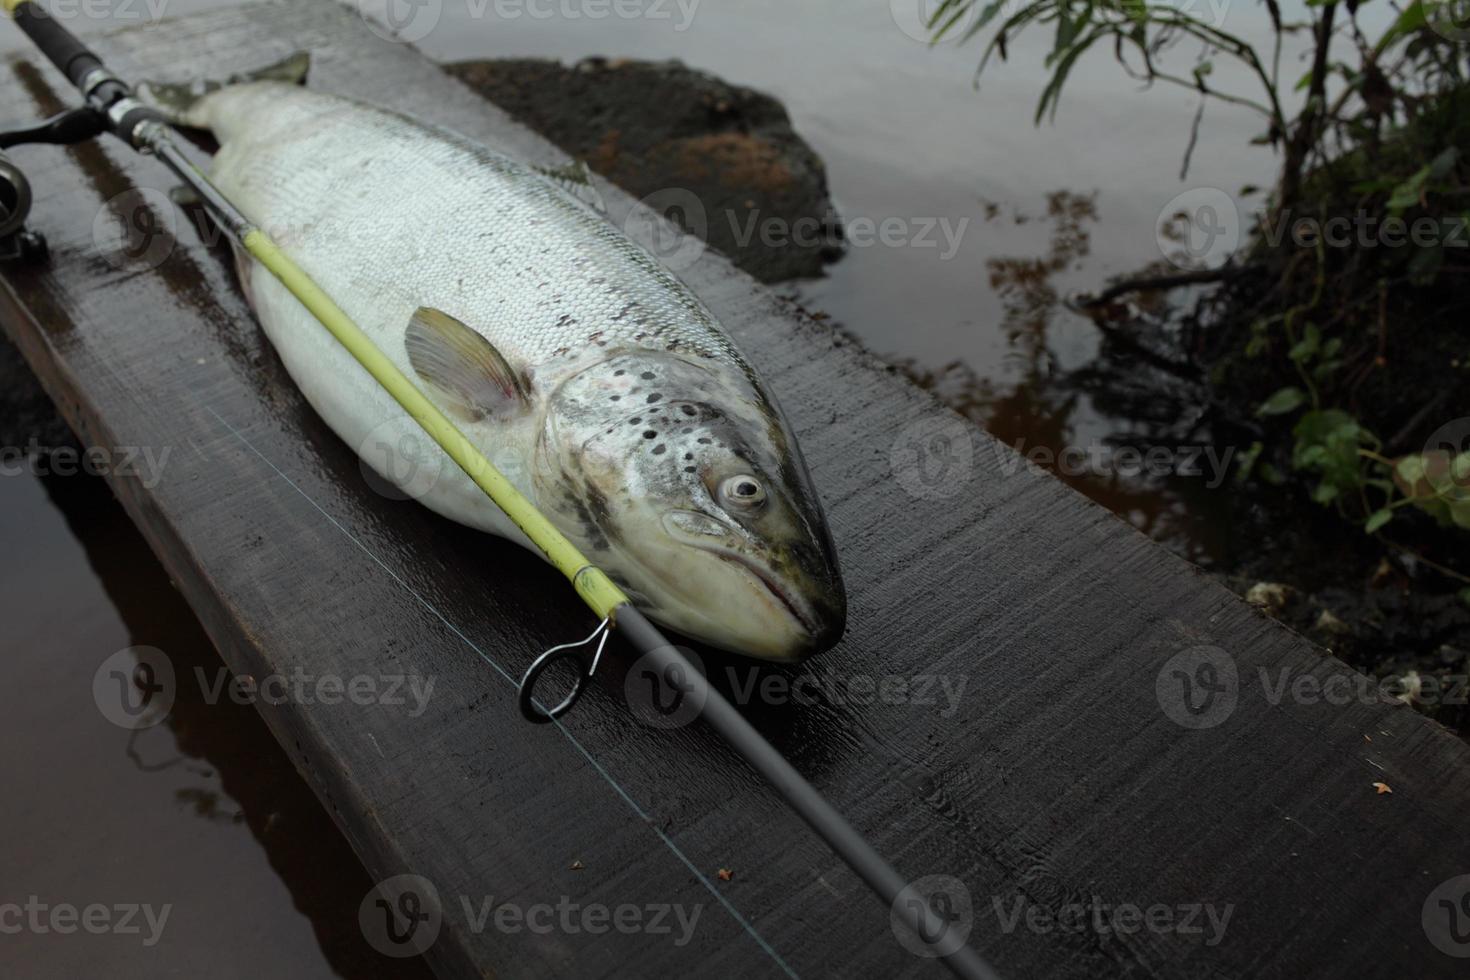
pixel 720 159
pixel 1391 604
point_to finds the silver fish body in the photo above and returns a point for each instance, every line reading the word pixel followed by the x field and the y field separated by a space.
pixel 615 401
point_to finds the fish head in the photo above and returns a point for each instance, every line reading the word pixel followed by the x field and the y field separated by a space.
pixel 679 477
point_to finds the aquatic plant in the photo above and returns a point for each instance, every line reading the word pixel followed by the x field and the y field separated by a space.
pixel 1328 342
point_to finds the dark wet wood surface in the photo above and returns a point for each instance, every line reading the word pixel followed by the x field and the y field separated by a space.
pixel 1056 778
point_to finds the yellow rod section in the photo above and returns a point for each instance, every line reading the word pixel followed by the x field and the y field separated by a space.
pixel 591 583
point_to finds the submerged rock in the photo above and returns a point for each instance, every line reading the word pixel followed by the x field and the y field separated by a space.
pixel 664 131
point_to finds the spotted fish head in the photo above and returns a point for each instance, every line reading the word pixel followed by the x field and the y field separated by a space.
pixel 680 478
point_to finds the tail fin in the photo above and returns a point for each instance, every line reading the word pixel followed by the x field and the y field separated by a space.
pixel 178 101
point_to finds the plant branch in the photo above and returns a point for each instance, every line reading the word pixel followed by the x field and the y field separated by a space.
pixel 1172 281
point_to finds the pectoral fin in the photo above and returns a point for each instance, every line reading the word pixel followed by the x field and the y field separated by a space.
pixel 463 370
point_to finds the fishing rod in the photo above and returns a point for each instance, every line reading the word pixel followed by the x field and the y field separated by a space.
pixel 110 107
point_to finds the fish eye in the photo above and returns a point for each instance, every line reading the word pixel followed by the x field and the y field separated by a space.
pixel 743 490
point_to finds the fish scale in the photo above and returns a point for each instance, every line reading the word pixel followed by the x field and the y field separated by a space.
pixel 541 296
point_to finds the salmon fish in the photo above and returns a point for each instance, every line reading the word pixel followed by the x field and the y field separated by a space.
pixel 591 376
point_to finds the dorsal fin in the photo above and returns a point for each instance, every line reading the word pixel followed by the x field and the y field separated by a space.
pixel 470 377
pixel 179 101
pixel 576 179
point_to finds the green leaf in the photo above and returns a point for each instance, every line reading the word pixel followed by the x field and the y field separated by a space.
pixel 1412 19
pixel 1310 456
pixel 1066 33
pixel 1465 596
pixel 1327 442
pixel 1409 193
pixel 1440 166
pixel 1137 10
pixel 1326 369
pixel 1286 400
pixel 1304 349
pixel 1316 428
pixel 939 23
pixel 1246 461
pixel 1435 508
pixel 1377 520
pixel 1052 94
pixel 1411 469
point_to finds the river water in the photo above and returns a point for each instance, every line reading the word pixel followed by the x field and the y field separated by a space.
pixel 206 812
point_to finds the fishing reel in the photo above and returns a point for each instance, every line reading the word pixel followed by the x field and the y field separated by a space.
pixel 17 242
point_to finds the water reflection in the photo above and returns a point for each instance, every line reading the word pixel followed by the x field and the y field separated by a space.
pixel 139 804
pixel 1127 427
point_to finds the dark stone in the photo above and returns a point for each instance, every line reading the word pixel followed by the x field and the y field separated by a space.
pixel 659 128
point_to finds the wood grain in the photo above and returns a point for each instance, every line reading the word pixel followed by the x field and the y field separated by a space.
pixel 1056 778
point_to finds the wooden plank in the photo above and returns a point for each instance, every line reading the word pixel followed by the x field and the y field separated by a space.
pixel 1057 778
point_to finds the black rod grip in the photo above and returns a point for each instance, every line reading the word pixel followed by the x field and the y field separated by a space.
pixel 74 59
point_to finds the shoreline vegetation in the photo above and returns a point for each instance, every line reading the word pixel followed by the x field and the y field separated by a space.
pixel 1332 348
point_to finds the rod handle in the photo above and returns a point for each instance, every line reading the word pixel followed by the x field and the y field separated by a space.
pixel 73 58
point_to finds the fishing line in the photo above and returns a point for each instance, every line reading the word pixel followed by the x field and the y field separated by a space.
pixel 111 107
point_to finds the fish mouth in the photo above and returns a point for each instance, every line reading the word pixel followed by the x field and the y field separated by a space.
pixel 792 604
pixel 787 625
